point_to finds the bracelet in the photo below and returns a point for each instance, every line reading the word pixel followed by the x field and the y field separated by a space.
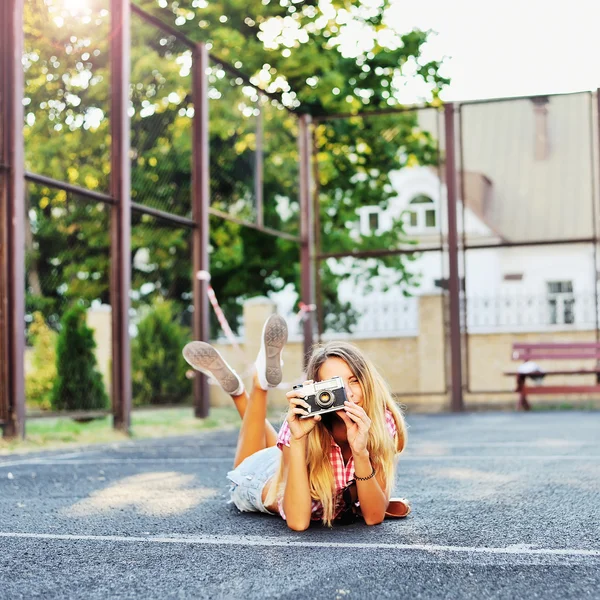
pixel 365 478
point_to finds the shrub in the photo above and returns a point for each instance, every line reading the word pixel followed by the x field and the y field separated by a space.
pixel 158 369
pixel 79 384
pixel 41 375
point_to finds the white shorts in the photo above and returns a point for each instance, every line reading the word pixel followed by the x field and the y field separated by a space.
pixel 250 477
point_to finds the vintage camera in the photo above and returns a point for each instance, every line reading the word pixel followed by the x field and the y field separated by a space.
pixel 323 396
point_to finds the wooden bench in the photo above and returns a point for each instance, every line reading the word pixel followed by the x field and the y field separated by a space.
pixel 555 351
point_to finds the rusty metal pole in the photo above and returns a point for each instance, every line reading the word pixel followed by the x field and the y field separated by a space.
pixel 120 188
pixel 595 200
pixel 12 212
pixel 456 400
pixel 307 258
pixel 319 313
pixel 200 208
pixel 259 170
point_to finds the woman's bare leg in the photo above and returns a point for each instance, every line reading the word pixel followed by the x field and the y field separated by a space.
pixel 241 404
pixel 204 358
pixel 256 433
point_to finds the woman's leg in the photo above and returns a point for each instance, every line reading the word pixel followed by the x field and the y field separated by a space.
pixel 206 359
pixel 255 427
pixel 241 403
pixel 256 432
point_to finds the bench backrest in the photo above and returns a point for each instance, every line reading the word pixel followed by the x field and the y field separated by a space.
pixel 557 350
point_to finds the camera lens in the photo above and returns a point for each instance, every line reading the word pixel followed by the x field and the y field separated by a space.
pixel 325 399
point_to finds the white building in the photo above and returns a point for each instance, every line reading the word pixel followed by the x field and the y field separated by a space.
pixel 529 176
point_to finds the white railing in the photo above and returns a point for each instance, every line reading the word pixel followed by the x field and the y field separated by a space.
pixel 514 313
pixel 375 317
pixel 388 316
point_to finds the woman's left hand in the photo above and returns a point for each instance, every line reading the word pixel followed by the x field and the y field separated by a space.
pixel 357 427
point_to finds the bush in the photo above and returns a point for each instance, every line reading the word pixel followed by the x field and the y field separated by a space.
pixel 41 375
pixel 79 384
pixel 158 369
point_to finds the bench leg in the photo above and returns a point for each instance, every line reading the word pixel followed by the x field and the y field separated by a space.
pixel 522 404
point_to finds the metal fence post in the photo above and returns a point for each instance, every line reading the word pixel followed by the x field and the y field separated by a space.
pixel 307 258
pixel 259 169
pixel 12 213
pixel 200 208
pixel 120 187
pixel 456 401
pixel 595 206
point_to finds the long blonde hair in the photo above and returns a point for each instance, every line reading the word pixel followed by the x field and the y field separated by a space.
pixel 382 448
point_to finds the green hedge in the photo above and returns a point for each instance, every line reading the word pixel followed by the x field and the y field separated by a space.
pixel 78 384
pixel 158 368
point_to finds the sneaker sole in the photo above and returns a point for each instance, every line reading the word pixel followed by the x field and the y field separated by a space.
pixel 275 337
pixel 206 359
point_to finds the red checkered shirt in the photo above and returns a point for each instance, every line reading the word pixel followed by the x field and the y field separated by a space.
pixel 342 473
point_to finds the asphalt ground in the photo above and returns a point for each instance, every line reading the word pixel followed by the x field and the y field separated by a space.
pixel 504 506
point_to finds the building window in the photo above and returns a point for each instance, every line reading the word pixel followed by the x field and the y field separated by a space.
pixel 422 214
pixel 373 221
pixel 370 221
pixel 561 302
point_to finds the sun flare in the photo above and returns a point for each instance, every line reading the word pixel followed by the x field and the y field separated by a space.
pixel 76 7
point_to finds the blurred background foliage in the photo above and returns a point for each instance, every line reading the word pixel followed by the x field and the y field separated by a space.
pixel 299 52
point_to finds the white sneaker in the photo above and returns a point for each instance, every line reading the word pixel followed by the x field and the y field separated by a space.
pixel 268 361
pixel 204 358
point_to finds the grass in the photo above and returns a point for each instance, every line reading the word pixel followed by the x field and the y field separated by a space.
pixel 62 432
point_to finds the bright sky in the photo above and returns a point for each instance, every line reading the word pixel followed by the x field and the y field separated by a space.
pixel 508 47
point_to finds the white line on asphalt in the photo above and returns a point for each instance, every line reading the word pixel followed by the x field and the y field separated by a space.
pixel 39 460
pixel 286 542
pixel 544 443
pixel 220 459
pixel 121 461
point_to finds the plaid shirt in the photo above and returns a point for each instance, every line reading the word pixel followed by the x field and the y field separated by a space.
pixel 342 473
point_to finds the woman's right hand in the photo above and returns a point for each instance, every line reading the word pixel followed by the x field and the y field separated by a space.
pixel 299 428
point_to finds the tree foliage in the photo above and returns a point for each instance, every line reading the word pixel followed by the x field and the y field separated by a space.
pixel 40 377
pixel 158 373
pixel 79 384
pixel 298 51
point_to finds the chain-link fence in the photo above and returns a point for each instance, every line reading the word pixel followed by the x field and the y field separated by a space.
pixel 161 110
pixel 528 213
pixel 67 307
pixel 75 264
pixel 385 240
pixel 162 307
pixel 67 104
pixel 67 232
pixel 381 227
pixel 526 234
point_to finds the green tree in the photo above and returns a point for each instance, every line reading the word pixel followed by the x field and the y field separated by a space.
pixel 39 379
pixel 294 50
pixel 78 384
pixel 158 371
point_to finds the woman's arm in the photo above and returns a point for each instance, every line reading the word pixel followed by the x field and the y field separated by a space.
pixel 297 502
pixel 371 493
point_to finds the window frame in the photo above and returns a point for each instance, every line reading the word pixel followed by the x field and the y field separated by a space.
pixel 416 211
pixel 560 302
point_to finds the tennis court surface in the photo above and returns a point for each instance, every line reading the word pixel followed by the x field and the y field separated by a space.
pixel 504 506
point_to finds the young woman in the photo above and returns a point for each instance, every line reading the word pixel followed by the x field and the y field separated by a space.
pixel 331 467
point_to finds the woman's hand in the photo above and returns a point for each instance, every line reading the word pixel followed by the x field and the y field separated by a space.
pixel 299 428
pixel 357 427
